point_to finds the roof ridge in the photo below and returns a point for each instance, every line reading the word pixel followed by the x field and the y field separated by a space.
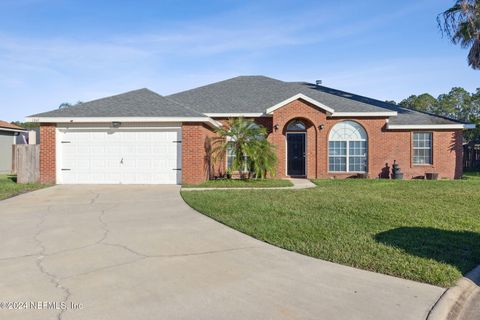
pixel 223 81
pixel 353 94
pixel 395 106
pixel 175 102
pixel 184 106
pixel 432 114
pixel 115 95
pixel 83 103
pixel 133 102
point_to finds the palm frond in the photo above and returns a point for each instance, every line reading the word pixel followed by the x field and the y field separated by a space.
pixel 248 142
pixel 461 23
pixel 474 55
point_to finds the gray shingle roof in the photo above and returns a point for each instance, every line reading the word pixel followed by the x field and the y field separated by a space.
pixel 255 94
pixel 405 116
pixel 137 103
pixel 245 94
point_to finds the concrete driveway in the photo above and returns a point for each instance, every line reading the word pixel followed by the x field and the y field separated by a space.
pixel 139 252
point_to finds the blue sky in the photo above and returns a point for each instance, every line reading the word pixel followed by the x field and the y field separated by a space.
pixel 54 51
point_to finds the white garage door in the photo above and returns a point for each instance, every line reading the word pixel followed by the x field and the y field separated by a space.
pixel 112 156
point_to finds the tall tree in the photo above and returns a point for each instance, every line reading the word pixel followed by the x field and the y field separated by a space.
pixel 461 23
pixel 474 117
pixel 456 104
pixel 424 102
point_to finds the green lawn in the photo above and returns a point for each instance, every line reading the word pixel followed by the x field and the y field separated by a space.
pixel 9 188
pixel 427 231
pixel 237 183
pixel 472 174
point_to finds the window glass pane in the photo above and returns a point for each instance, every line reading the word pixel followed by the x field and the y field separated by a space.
pixel 230 156
pixel 296 125
pixel 337 148
pixel 357 148
pixel 229 162
pixel 338 164
pixel 422 148
pixel 428 143
pixel 357 164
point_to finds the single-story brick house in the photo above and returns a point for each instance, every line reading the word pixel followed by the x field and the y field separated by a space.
pixel 319 132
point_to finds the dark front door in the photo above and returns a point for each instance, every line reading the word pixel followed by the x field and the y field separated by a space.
pixel 296 154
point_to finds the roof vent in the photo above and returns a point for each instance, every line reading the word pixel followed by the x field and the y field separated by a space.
pixel 318 82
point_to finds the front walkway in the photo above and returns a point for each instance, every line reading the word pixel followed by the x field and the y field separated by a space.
pixel 139 252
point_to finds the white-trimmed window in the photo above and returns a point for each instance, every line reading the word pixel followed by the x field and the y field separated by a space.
pixel 347 148
pixel 422 148
pixel 230 156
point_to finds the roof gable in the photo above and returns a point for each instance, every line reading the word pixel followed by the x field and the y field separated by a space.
pixel 303 97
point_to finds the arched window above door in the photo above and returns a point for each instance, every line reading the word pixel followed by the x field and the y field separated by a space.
pixel 296 125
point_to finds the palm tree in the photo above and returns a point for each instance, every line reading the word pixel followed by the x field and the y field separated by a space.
pixel 461 23
pixel 263 158
pixel 247 141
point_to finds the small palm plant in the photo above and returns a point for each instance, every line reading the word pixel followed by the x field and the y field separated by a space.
pixel 247 141
pixel 263 158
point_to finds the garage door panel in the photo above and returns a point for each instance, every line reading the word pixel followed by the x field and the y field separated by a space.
pixel 145 164
pixel 120 156
pixel 99 163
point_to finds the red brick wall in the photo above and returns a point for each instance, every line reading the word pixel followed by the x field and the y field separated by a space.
pixel 47 153
pixel 312 117
pixel 384 146
pixel 196 166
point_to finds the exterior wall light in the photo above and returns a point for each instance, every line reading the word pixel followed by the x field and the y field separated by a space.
pixel 275 127
pixel 321 126
pixel 116 124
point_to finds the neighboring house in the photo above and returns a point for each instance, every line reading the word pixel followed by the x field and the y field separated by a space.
pixel 8 137
pixel 30 136
pixel 319 132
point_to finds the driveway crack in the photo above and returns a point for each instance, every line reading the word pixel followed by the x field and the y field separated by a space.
pixel 144 257
pixel 127 249
pixel 35 254
pixel 201 253
pixel 104 228
pixel 39 263
pixel 95 198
